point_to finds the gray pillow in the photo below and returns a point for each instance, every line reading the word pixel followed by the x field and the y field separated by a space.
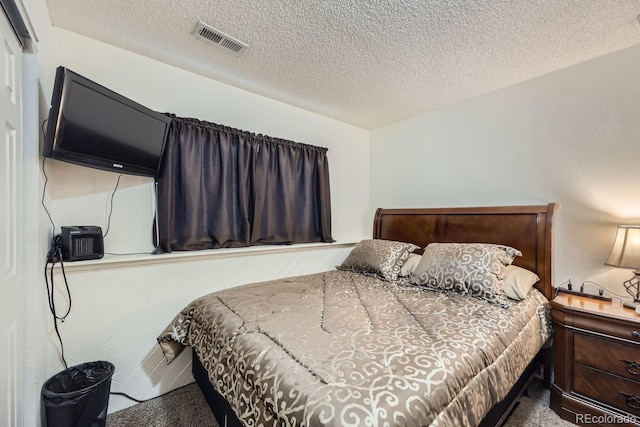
pixel 382 258
pixel 475 269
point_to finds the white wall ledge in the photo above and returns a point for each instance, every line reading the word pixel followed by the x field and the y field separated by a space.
pixel 115 261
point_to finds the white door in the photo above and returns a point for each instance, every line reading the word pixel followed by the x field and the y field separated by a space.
pixel 11 271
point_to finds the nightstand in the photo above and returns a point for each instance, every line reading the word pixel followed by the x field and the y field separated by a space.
pixel 596 362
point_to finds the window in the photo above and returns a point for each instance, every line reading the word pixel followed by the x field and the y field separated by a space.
pixel 222 187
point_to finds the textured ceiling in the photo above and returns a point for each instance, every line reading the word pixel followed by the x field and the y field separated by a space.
pixel 368 63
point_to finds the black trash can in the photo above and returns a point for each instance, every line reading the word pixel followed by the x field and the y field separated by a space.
pixel 78 396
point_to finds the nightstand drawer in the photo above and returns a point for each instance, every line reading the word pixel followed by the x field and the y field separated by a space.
pixel 606 388
pixel 613 327
pixel 607 355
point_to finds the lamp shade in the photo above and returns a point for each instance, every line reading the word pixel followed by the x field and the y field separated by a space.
pixel 626 249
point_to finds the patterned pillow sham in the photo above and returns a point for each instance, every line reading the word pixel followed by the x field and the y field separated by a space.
pixel 383 258
pixel 475 269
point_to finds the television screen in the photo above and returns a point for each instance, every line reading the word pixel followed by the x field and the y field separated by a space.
pixel 93 126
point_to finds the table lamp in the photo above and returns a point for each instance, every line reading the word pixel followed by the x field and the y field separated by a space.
pixel 626 254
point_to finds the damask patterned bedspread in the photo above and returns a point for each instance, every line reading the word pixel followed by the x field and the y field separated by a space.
pixel 344 349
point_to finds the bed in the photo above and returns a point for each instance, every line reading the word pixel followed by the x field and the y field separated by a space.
pixel 345 348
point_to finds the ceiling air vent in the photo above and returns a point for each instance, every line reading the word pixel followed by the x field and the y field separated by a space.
pixel 217 37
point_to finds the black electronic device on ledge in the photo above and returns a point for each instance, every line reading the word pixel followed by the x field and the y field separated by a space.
pixel 82 242
pixel 600 295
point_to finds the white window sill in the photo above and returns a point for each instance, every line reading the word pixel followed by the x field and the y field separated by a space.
pixel 113 261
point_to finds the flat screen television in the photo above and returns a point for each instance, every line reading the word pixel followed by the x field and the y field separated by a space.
pixel 93 126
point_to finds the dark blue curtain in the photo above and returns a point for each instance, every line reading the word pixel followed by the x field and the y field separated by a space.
pixel 222 187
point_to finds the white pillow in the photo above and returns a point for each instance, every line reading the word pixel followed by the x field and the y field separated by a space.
pixel 410 265
pixel 518 281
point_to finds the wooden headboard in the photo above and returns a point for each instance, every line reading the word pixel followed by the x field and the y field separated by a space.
pixel 526 228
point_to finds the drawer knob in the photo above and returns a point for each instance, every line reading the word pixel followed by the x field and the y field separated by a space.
pixel 632 367
pixel 632 401
pixel 635 334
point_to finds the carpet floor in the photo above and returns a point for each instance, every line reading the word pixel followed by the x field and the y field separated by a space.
pixel 186 407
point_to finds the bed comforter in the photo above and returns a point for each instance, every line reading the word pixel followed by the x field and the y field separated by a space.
pixel 344 349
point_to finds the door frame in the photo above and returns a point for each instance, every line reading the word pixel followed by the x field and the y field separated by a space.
pixel 36 232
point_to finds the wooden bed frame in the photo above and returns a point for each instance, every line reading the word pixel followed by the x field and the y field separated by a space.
pixel 527 228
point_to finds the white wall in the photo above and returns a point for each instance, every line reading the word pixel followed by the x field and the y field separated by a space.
pixel 81 195
pixel 36 227
pixel 571 137
pixel 118 311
